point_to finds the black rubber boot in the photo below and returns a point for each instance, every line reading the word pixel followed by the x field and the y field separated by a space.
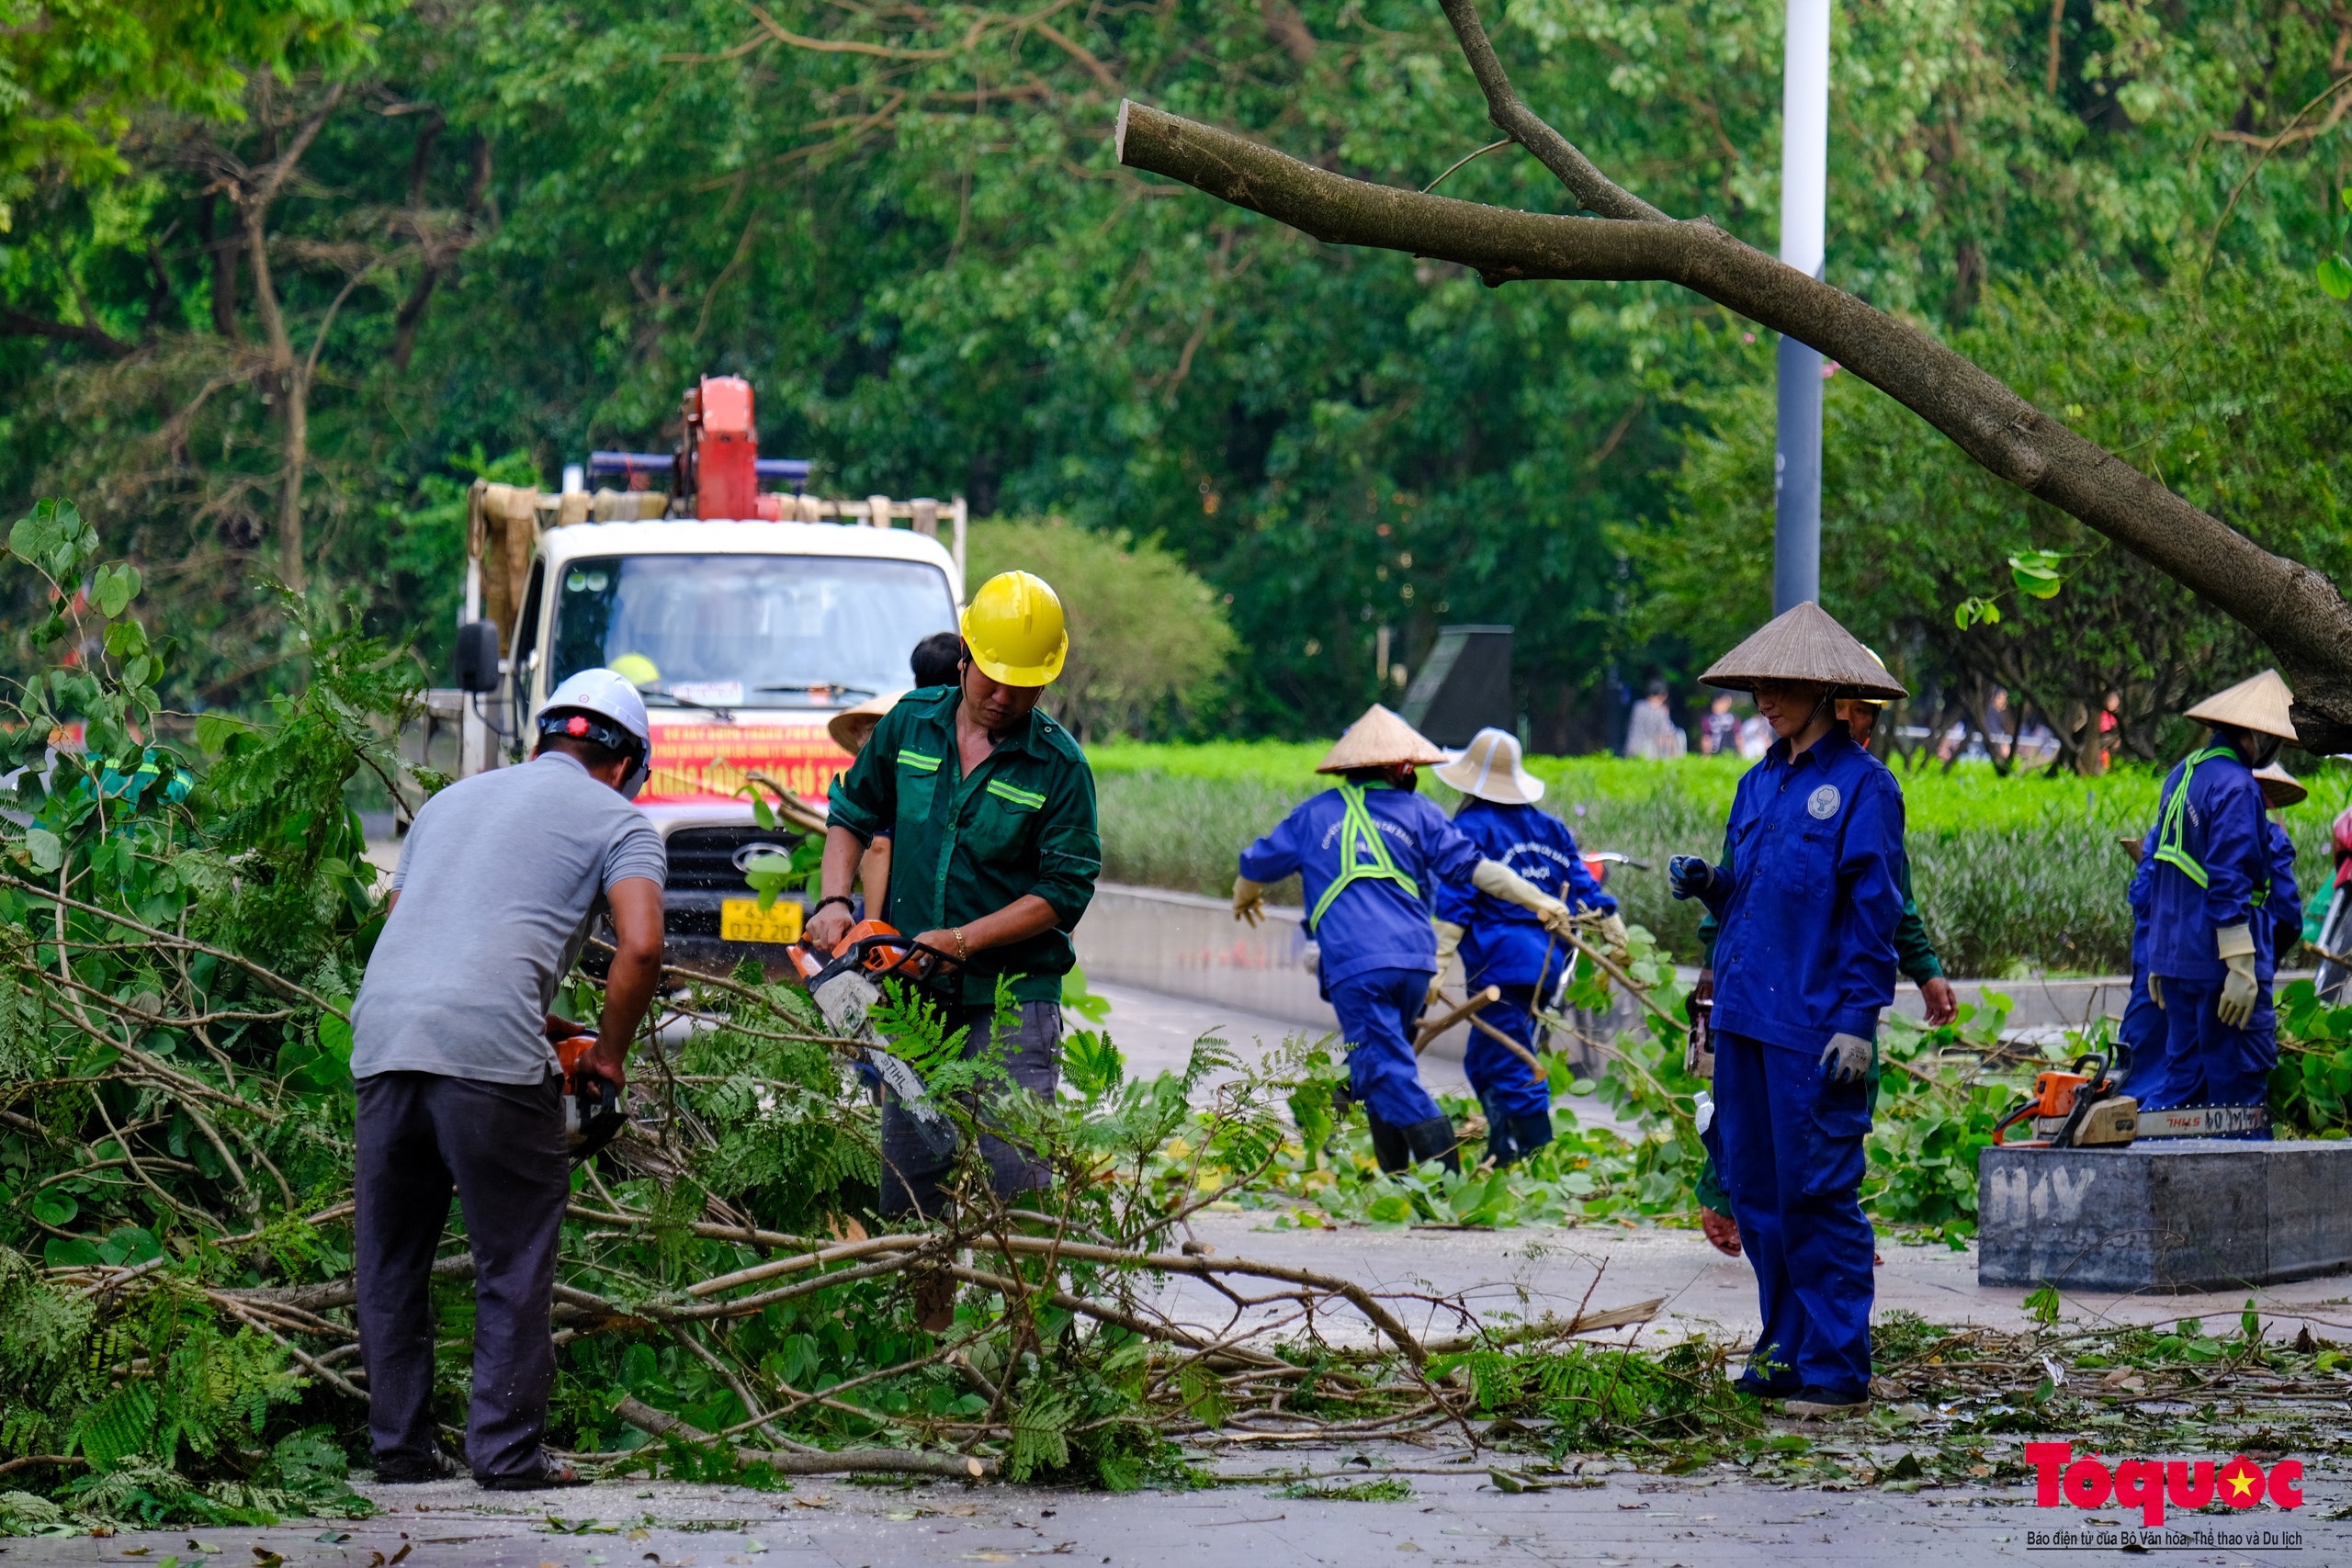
pixel 1388 1146
pixel 1529 1133
pixel 1433 1139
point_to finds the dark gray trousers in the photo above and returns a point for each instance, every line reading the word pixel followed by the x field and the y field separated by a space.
pixel 1031 1055
pixel 501 1146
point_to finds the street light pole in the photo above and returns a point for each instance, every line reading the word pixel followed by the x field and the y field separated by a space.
pixel 1804 185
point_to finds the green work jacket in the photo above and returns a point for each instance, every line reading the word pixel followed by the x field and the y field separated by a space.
pixel 962 847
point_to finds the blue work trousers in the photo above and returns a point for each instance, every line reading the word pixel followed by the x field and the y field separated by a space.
pixel 1792 1144
pixel 2207 1062
pixel 2143 1030
pixel 1379 1010
pixel 1506 1085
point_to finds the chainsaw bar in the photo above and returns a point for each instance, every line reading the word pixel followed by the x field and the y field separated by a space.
pixel 845 1001
pixel 2204 1121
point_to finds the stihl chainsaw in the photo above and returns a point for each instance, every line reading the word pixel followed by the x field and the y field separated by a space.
pixel 2081 1108
pixel 591 1104
pixel 845 988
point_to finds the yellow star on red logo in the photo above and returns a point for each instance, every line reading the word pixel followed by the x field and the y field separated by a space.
pixel 2241 1482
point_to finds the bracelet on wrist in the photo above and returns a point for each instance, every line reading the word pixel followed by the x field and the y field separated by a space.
pixel 841 899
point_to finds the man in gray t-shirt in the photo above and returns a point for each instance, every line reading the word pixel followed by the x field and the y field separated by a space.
pixel 498 886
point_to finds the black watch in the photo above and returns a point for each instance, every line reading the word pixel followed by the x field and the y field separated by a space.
pixel 841 899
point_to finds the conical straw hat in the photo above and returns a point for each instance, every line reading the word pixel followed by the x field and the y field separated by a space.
pixel 853 728
pixel 1806 644
pixel 1488 768
pixel 2279 787
pixel 1379 740
pixel 2260 704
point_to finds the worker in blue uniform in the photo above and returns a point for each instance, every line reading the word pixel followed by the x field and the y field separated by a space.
pixel 2141 1029
pixel 1808 896
pixel 2211 946
pixel 1505 944
pixel 2282 791
pixel 1373 854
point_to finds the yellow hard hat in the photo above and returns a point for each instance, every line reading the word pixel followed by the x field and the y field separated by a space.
pixel 636 668
pixel 1013 626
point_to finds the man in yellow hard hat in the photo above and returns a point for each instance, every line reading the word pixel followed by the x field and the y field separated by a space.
pixel 990 805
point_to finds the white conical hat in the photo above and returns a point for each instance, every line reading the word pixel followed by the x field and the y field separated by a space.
pixel 1806 644
pixel 1379 740
pixel 2260 704
pixel 1488 768
pixel 852 727
pixel 2280 789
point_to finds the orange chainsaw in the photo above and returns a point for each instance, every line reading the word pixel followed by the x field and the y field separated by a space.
pixel 2078 1107
pixel 591 1102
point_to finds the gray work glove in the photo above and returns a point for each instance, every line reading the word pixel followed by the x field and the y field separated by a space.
pixel 1846 1058
pixel 2239 989
pixel 1692 876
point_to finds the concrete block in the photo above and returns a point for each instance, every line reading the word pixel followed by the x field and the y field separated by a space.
pixel 2172 1214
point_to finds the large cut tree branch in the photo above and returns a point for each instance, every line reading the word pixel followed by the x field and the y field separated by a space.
pixel 2297 612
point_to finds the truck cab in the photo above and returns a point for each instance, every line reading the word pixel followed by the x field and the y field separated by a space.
pixel 744 634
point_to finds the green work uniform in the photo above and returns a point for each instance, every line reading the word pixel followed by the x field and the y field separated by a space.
pixel 1915 955
pixel 962 847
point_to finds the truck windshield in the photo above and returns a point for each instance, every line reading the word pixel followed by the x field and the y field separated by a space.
pixel 748 631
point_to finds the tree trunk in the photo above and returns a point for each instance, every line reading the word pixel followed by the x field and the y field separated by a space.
pixel 2297 612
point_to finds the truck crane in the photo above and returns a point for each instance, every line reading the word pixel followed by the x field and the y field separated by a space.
pixel 747 612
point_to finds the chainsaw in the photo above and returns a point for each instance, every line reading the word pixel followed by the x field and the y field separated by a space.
pixel 591 1102
pixel 2078 1107
pixel 846 986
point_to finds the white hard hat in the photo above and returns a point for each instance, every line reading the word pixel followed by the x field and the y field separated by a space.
pixel 607 694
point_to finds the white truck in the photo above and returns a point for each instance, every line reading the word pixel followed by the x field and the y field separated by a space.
pixel 747 618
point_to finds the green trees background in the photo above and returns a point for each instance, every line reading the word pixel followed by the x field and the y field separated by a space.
pixel 277 277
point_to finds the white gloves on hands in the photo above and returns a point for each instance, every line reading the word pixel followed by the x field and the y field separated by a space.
pixel 1614 935
pixel 2234 946
pixel 1449 942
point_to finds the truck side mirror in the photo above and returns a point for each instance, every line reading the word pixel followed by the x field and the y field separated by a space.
pixel 478 657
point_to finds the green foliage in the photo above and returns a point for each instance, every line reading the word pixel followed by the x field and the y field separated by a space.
pixel 1388 1489
pixel 1609 1397
pixel 1146 636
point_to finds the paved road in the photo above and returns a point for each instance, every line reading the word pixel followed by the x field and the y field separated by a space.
pixel 1457 1518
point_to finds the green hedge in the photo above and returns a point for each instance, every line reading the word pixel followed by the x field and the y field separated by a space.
pixel 2014 876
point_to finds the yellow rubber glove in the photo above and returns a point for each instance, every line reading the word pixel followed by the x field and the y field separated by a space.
pixel 2156 991
pixel 1249 901
pixel 2239 989
pixel 1497 880
pixel 1449 942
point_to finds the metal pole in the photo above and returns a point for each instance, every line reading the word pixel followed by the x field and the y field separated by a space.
pixel 1804 186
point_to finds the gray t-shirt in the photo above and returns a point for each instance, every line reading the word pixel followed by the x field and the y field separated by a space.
pixel 499 881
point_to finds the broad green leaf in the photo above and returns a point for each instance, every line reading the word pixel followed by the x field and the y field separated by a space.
pixel 761 812
pixel 114 587
pixel 2335 277
pixel 46 848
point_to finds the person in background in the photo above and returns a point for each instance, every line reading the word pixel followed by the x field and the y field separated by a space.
pixel 1652 734
pixel 1754 737
pixel 1915 960
pixel 1809 896
pixel 2212 941
pixel 1372 855
pixel 1506 944
pixel 2110 730
pixel 1719 730
pixel 935 662
pixel 2282 792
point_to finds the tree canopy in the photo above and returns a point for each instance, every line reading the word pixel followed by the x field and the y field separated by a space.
pixel 271 328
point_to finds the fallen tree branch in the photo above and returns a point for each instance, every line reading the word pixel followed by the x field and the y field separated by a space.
pixel 845 1462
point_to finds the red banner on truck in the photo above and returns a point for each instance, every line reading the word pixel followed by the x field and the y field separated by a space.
pixel 703 761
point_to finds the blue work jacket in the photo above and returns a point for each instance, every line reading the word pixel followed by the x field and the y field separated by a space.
pixel 2142 898
pixel 1809 893
pixel 1374 923
pixel 2284 904
pixel 1503 943
pixel 2222 834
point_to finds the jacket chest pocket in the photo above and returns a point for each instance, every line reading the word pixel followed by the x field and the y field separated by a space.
pixel 1003 825
pixel 918 782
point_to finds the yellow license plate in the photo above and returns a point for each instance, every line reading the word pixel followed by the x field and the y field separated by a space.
pixel 743 920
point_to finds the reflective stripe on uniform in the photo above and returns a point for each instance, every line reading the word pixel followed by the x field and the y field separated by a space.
pixel 1358 832
pixel 2169 826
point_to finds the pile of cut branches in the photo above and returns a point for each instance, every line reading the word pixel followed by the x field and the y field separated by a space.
pixel 185 915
